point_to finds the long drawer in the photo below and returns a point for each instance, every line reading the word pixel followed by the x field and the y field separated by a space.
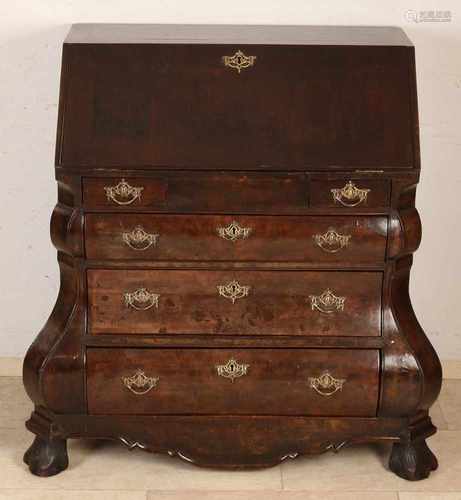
pixel 236 238
pixel 253 381
pixel 234 302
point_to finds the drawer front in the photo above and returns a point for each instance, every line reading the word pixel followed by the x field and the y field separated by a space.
pixel 235 238
pixel 277 193
pixel 346 193
pixel 127 193
pixel 181 105
pixel 234 302
pixel 199 192
pixel 317 382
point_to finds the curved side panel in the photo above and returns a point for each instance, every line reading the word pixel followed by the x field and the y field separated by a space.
pixel 53 369
pixel 66 230
pixel 401 378
pixel 50 334
pixel 404 233
pixel 429 363
pixel 411 369
pixel 411 223
pixel 412 374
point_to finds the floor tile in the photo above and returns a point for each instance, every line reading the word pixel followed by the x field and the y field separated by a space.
pixel 438 418
pixel 450 403
pixel 103 470
pixel 364 468
pixel 104 465
pixel 451 369
pixel 430 496
pixel 15 405
pixel 265 495
pixel 71 495
pixel 10 367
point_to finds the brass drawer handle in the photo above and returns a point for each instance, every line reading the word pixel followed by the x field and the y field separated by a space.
pixel 139 383
pixel 350 195
pixel 232 370
pixel 138 239
pixel 123 193
pixel 234 231
pixel 331 241
pixel 233 291
pixel 239 61
pixel 326 384
pixel 141 299
pixel 327 302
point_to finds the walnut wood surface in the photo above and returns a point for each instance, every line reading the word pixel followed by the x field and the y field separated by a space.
pixel 154 193
pixel 276 383
pixel 328 106
pixel 278 303
pixel 378 196
pixel 206 192
pixel 412 461
pixel 47 457
pixel 228 441
pixel 320 107
pixel 226 33
pixel 196 238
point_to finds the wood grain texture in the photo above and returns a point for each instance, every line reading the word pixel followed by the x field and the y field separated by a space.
pixel 154 193
pixel 276 383
pixel 378 195
pixel 234 34
pixel 54 363
pixel 156 106
pixel 278 303
pixel 328 106
pixel 47 457
pixel 232 442
pixel 205 192
pixel 270 239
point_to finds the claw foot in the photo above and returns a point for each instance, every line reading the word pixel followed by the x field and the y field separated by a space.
pixel 47 457
pixel 413 460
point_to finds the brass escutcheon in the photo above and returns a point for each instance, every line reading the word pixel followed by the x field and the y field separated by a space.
pixel 139 383
pixel 233 291
pixel 326 384
pixel 232 370
pixel 138 239
pixel 350 195
pixel 327 302
pixel 141 299
pixel 331 241
pixel 123 193
pixel 239 61
pixel 234 231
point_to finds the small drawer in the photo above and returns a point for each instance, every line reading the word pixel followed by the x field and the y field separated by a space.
pixel 311 382
pixel 234 302
pixel 347 193
pixel 328 239
pixel 199 192
pixel 126 193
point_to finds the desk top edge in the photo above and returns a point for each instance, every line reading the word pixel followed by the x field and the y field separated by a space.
pixel 102 33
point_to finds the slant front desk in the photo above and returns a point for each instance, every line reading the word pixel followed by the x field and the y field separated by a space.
pixel 235 228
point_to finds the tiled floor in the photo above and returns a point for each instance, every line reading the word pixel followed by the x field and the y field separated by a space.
pixel 107 471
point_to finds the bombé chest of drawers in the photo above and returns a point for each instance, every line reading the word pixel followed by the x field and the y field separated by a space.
pixel 235 228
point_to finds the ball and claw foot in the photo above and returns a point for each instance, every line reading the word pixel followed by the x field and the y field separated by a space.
pixel 412 460
pixel 47 457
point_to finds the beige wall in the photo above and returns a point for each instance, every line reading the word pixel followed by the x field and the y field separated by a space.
pixel 31 33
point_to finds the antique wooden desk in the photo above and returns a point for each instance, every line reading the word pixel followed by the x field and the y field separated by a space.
pixel 235 227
